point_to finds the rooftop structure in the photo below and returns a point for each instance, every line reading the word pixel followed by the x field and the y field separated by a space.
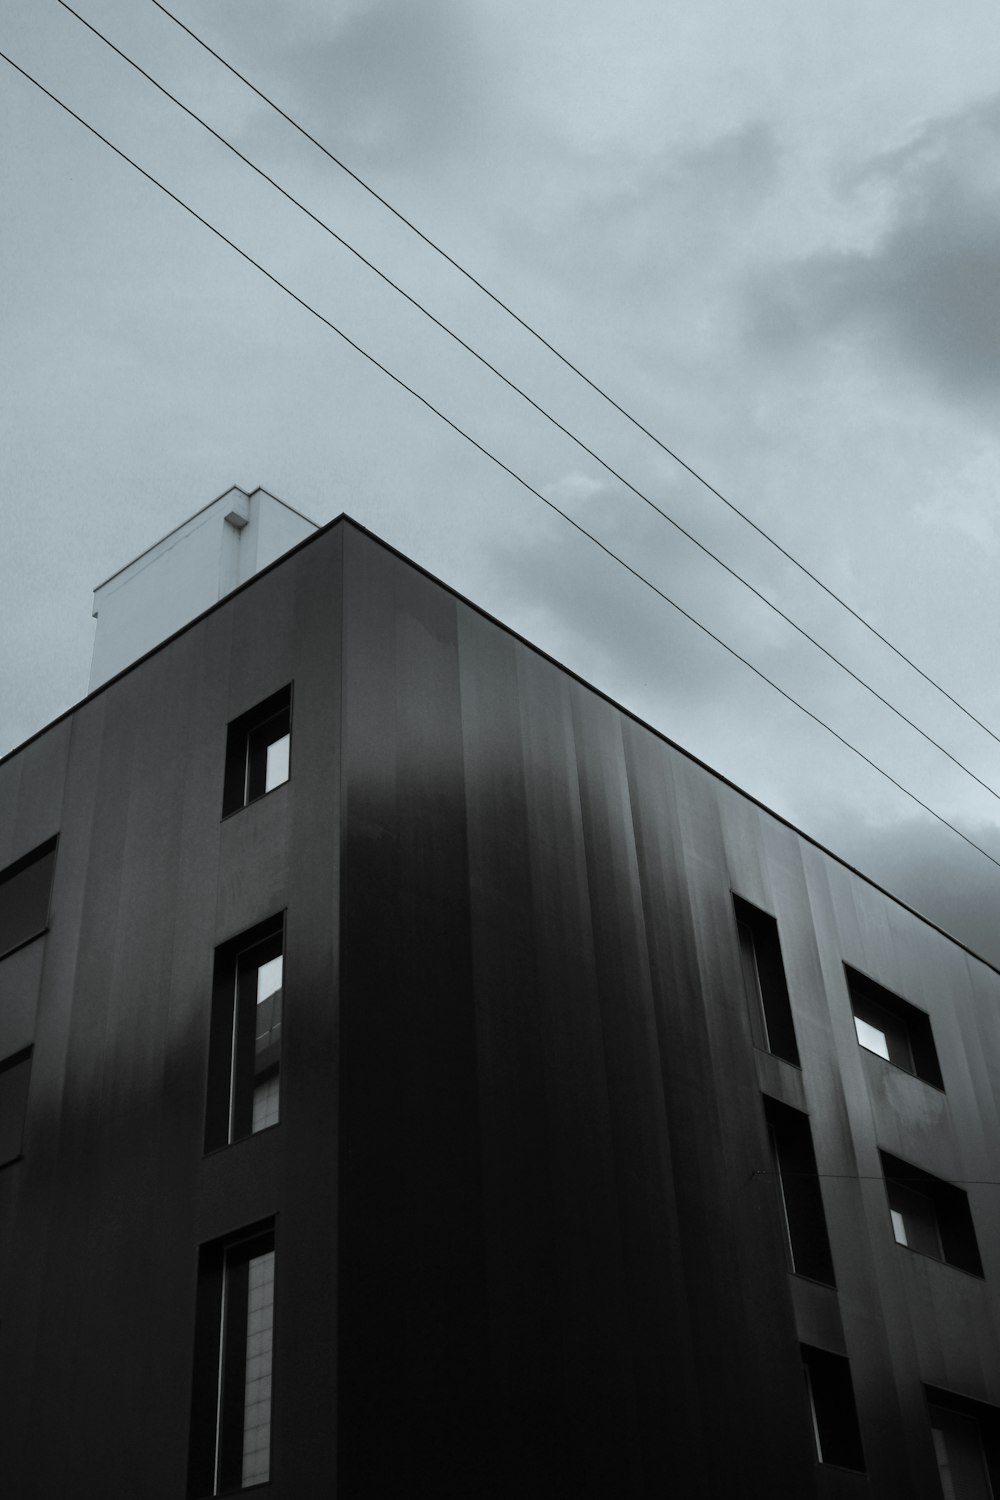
pixel 180 576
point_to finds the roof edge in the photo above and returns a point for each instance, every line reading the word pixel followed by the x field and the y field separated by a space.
pixel 343 519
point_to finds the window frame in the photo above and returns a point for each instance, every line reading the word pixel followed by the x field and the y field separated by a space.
pixel 47 850
pixel 986 1418
pixel 803 1212
pixel 23 1057
pixel 952 1212
pixel 229 1093
pixel 867 995
pixel 825 1371
pixel 240 732
pixel 220 1378
pixel 765 983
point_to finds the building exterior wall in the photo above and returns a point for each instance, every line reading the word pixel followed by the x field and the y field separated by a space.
pixel 102 1218
pixel 527 1239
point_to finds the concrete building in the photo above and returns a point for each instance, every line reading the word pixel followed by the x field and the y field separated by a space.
pixel 419 1077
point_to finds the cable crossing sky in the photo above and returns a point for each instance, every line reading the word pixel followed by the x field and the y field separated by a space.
pixel 594 386
pixel 494 458
pixel 707 551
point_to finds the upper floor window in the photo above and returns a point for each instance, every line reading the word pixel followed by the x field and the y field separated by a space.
pixel 930 1215
pixel 14 1075
pixel 233 1360
pixel 764 982
pixel 830 1391
pixel 893 1028
pixel 966 1437
pixel 794 1165
pixel 258 749
pixel 244 1061
pixel 25 887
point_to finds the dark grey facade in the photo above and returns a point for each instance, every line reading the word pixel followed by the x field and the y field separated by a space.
pixel 541 1193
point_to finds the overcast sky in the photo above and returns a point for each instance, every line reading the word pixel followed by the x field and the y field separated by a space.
pixel 771 232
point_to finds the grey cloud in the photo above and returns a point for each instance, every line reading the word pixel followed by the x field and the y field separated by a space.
pixel 393 81
pixel 927 292
pixel 930 870
pixel 626 222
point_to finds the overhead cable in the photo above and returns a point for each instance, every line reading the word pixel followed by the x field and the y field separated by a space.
pixel 486 452
pixel 565 360
pixel 553 421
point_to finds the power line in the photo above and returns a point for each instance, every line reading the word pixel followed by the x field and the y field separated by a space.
pixel 733 572
pixel 577 526
pixel 565 360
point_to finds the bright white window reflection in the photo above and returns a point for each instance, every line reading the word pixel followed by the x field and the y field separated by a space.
pixel 277 763
pixel 269 978
pixel 898 1227
pixel 869 1036
pixel 267 1044
pixel 257 1387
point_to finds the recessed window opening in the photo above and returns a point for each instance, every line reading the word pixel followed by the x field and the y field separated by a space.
pixel 15 1075
pixel 794 1165
pixel 834 1417
pixel 258 750
pixel 966 1438
pixel 764 983
pixel 25 889
pixel 245 1041
pixel 231 1393
pixel 930 1216
pixel 892 1028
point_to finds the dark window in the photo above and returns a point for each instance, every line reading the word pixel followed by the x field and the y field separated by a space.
pixel 893 1028
pixel 231 1389
pixel 966 1437
pixel 244 1062
pixel 930 1215
pixel 14 1074
pixel 258 746
pixel 25 888
pixel 764 982
pixel 794 1166
pixel 832 1409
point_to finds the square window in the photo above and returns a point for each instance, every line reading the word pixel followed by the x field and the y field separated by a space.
pixel 15 1073
pixel 764 982
pixel 258 749
pixel 244 1062
pixel 231 1389
pixel 834 1415
pixel 25 888
pixel 892 1028
pixel 930 1216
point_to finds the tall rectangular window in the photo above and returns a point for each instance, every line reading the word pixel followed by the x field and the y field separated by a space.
pixel 832 1411
pixel 892 1028
pixel 15 1072
pixel 231 1390
pixel 930 1215
pixel 966 1438
pixel 258 751
pixel 794 1166
pixel 25 888
pixel 244 1061
pixel 764 982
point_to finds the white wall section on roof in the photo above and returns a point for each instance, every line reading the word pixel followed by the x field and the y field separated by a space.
pixel 186 572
